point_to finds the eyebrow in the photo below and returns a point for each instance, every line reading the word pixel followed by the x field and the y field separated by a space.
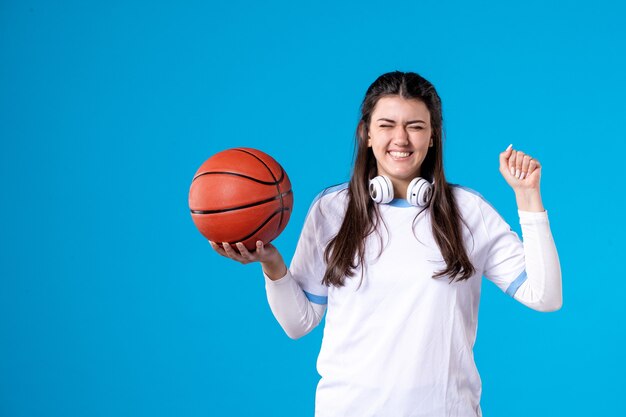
pixel 408 123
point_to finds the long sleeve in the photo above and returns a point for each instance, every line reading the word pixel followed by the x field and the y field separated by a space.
pixel 528 270
pixel 289 304
pixel 298 300
pixel 542 290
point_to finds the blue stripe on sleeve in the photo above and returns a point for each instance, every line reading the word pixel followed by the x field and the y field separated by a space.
pixel 317 299
pixel 516 284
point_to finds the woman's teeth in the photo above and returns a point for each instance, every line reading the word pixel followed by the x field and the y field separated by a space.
pixel 400 154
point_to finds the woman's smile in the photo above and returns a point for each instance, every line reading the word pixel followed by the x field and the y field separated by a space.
pixel 399 156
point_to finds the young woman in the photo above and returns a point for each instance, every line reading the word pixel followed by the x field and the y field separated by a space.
pixel 397 255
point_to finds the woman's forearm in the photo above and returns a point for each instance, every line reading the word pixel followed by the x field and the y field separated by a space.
pixel 542 291
pixel 293 311
pixel 275 269
pixel 529 200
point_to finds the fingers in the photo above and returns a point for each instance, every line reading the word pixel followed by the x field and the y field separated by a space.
pixel 218 249
pixel 525 167
pixel 232 253
pixel 262 251
pixel 518 163
pixel 504 156
pixel 534 164
pixel 260 248
pixel 239 252
pixel 515 163
pixel 245 253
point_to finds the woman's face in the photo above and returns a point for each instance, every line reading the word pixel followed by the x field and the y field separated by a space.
pixel 400 135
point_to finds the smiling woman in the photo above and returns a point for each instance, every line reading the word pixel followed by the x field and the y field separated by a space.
pixel 400 135
pixel 399 341
pixel 412 123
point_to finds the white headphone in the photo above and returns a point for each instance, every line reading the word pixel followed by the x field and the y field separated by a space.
pixel 418 193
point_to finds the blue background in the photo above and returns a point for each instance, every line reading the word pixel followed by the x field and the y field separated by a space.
pixel 112 303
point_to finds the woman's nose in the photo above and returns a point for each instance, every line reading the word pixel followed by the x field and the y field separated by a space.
pixel 400 136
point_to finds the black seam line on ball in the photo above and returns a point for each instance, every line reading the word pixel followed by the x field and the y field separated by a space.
pixel 280 210
pixel 238 175
pixel 282 175
pixel 258 203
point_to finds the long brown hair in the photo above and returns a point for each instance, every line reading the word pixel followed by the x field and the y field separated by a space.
pixel 346 251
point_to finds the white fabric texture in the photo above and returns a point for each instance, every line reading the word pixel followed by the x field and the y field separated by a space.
pixel 401 343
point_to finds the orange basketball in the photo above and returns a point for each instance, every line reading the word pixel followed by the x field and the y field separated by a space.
pixel 240 195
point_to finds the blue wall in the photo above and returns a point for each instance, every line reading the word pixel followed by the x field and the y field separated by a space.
pixel 112 303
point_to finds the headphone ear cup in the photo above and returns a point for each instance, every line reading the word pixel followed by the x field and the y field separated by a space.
pixel 419 192
pixel 381 189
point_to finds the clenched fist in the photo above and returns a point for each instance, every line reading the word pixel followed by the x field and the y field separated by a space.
pixel 520 170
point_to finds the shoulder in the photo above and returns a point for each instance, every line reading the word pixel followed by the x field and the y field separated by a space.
pixel 468 199
pixel 463 193
pixel 333 198
pixel 472 203
pixel 332 191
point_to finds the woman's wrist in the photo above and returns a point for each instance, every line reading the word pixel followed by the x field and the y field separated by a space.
pixel 529 200
pixel 274 269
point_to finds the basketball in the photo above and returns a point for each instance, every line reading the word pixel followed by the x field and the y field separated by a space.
pixel 240 195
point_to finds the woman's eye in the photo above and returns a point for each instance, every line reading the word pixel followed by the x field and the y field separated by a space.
pixel 412 127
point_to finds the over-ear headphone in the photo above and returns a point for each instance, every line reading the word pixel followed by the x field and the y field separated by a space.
pixel 418 193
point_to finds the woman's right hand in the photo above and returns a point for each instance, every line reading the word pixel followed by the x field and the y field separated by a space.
pixel 271 260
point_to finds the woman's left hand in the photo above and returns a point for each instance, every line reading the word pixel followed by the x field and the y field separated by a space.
pixel 520 170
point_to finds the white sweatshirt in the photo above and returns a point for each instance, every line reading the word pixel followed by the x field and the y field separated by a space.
pixel 401 343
